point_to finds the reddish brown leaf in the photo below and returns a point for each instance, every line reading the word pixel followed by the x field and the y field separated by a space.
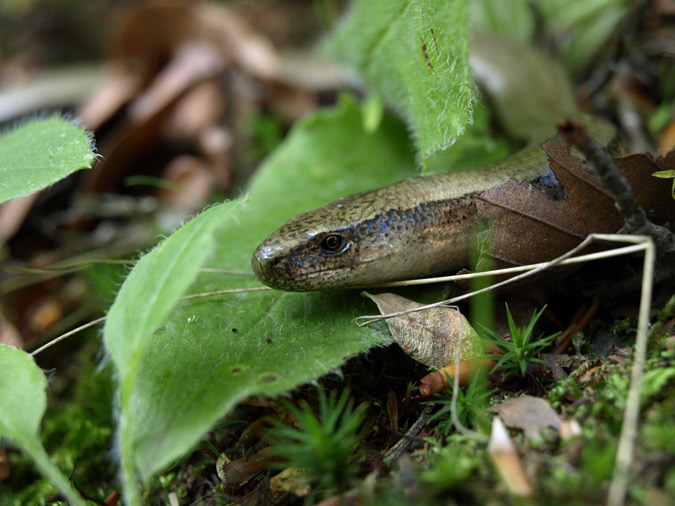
pixel 113 498
pixel 533 224
pixel 587 375
pixel 237 473
pixel 437 381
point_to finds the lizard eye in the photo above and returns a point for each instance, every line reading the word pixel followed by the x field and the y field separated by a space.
pixel 333 244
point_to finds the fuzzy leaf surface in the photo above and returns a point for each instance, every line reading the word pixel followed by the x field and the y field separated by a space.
pixel 23 401
pixel 214 351
pixel 414 53
pixel 22 395
pixel 40 153
pixel 154 285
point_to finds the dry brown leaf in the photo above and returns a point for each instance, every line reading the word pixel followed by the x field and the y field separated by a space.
pixel 113 498
pixel 167 60
pixel 437 381
pixel 528 413
pixel 587 375
pixel 253 434
pixel 119 88
pixel 236 473
pixel 432 337
pixel 291 480
pixel 533 224
pixel 44 314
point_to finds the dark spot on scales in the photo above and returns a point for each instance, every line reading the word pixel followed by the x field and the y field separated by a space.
pixel 549 185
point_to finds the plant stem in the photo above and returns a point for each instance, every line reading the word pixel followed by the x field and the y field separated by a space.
pixel 624 455
pixel 52 472
pixel 132 496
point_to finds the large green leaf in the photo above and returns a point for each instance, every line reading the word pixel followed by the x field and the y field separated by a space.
pixel 154 285
pixel 414 53
pixel 40 153
pixel 145 300
pixel 213 352
pixel 22 395
pixel 22 404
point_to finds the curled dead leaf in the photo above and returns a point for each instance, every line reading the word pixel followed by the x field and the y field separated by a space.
pixel 236 473
pixel 434 337
pixel 587 375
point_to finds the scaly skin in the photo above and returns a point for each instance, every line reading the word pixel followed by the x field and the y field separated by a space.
pixel 422 226
pixel 414 228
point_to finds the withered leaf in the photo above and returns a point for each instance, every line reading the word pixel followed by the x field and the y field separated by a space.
pixel 236 473
pixel 431 337
pixel 537 222
pixel 438 380
pixel 291 480
pixel 528 413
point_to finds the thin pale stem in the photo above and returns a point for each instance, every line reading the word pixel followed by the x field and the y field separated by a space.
pixel 537 268
pixel 624 455
pixel 68 334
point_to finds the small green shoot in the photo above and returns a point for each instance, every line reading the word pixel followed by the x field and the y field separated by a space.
pixel 470 408
pixel 521 349
pixel 322 445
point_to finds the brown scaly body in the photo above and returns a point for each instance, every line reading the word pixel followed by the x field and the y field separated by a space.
pixel 414 228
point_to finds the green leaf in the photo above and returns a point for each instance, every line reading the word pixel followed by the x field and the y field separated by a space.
pixel 22 395
pixel 155 284
pixel 40 153
pixel 214 351
pixel 582 28
pixel 664 174
pixel 145 300
pixel 515 18
pixel 22 404
pixel 654 380
pixel 373 111
pixel 413 53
